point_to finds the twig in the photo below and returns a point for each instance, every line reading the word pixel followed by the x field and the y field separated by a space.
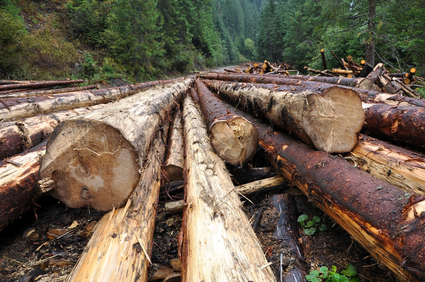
pixel 14 260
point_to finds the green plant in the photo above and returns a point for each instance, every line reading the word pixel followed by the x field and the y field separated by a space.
pixel 324 274
pixel 310 226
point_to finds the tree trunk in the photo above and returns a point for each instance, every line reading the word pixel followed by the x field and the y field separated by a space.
pixel 374 212
pixel 390 163
pixel 38 84
pixel 370 42
pixel 360 82
pixel 329 120
pixel 18 184
pixel 233 138
pixel 121 245
pixel 399 124
pixel 95 159
pixel 174 160
pixel 217 242
pixel 45 92
pixel 367 96
pixel 21 135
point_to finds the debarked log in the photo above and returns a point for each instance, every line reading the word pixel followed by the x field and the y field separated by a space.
pixel 96 159
pixel 18 184
pixel 329 120
pixel 367 96
pixel 45 92
pixel 217 242
pixel 360 82
pixel 233 138
pixel 121 245
pixel 376 214
pixel 400 167
pixel 15 137
pixel 174 160
pixel 403 125
pixel 38 84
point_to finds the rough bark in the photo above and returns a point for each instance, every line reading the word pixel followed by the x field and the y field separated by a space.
pixel 45 92
pixel 38 84
pixel 95 159
pixel 233 138
pixel 15 137
pixel 18 108
pixel 329 120
pixel 367 96
pixel 18 184
pixel 363 83
pixel 378 71
pixel 398 166
pixel 218 244
pixel 120 247
pixel 374 212
pixel 174 160
pixel 403 125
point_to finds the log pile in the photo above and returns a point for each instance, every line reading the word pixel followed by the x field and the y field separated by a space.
pixel 114 158
pixel 265 67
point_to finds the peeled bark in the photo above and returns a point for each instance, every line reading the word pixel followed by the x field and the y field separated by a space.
pixel 398 166
pixel 96 159
pixel 218 243
pixel 399 124
pixel 122 242
pixel 38 84
pixel 18 184
pixel 233 138
pixel 174 160
pixel 45 92
pixel 363 83
pixel 15 137
pixel 375 213
pixel 329 120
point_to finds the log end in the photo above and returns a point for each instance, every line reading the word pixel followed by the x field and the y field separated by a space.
pixel 333 119
pixel 235 140
pixel 91 164
pixel 366 83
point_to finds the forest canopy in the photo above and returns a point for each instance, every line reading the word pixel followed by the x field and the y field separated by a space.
pixel 147 39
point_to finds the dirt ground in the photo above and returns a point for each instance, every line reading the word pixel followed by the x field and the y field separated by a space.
pixel 47 248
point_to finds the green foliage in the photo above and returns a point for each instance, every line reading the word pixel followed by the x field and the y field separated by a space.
pixel 310 226
pixel 324 274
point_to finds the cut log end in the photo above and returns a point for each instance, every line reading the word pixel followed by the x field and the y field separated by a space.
pixel 91 164
pixel 235 140
pixel 332 120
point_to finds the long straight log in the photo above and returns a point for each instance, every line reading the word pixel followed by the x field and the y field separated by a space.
pixel 360 82
pixel 233 138
pixel 45 92
pixel 367 96
pixel 18 108
pixel 95 159
pixel 378 215
pixel 18 184
pixel 399 124
pixel 121 245
pixel 398 166
pixel 329 120
pixel 39 84
pixel 218 243
pixel 174 160
pixel 15 137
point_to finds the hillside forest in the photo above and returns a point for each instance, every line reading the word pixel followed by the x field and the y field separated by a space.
pixel 137 40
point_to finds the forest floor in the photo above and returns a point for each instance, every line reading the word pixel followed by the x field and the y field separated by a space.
pixel 47 248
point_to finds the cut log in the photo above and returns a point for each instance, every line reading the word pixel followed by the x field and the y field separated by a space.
pixel 319 72
pixel 233 138
pixel 329 120
pixel 217 242
pixel 39 84
pixel 18 184
pixel 371 210
pixel 399 124
pixel 367 68
pixel 377 71
pixel 367 96
pixel 258 186
pixel 246 175
pixel 45 92
pixel 337 59
pixel 174 160
pixel 15 137
pixel 409 76
pixel 398 166
pixel 363 83
pixel 322 52
pixel 341 71
pixel 94 160
pixel 122 242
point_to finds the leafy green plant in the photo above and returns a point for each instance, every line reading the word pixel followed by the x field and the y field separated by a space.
pixel 310 226
pixel 324 274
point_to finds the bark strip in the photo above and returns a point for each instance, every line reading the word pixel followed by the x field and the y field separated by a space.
pixel 217 242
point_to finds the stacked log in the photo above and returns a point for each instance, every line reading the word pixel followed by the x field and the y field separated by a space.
pixel 174 160
pixel 36 84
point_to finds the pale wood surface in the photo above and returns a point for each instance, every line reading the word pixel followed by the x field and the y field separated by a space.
pixel 174 160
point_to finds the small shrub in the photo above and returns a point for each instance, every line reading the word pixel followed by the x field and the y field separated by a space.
pixel 310 226
pixel 324 274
